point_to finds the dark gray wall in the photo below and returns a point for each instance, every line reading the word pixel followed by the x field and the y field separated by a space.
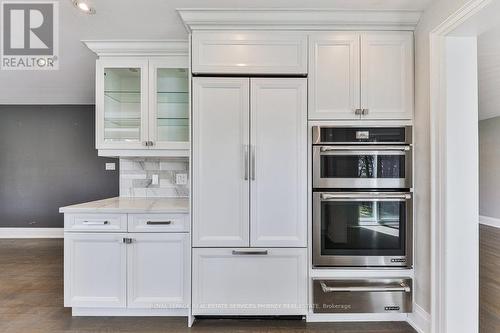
pixel 48 160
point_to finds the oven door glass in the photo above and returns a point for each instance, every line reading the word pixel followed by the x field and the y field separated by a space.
pixel 361 225
pixel 373 167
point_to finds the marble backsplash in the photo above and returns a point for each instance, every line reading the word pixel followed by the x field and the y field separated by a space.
pixel 136 177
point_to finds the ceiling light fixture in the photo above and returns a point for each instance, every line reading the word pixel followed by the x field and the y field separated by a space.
pixel 84 6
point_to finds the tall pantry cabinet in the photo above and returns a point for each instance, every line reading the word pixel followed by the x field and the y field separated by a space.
pixel 249 192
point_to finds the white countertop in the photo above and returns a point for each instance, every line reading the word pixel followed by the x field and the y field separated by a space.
pixel 131 205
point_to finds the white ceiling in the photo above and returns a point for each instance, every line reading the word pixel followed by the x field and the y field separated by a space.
pixel 73 83
pixel 488 59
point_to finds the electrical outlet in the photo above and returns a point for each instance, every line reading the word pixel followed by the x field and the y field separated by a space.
pixel 110 166
pixel 155 180
pixel 181 178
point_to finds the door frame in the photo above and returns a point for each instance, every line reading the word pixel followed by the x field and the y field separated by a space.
pixel 442 253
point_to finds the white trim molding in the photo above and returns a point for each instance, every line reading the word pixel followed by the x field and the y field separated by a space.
pixel 419 319
pixel 31 232
pixel 490 221
pixel 440 256
pixel 297 19
pixel 130 48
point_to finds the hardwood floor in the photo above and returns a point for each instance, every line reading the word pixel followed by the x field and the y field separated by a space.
pixel 489 279
pixel 31 300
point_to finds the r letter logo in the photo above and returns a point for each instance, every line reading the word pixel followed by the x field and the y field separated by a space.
pixel 29 35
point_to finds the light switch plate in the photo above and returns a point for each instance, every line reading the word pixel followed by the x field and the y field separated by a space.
pixel 110 166
pixel 181 178
pixel 155 180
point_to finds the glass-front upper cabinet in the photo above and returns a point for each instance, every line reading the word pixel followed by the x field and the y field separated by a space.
pixel 169 103
pixel 121 104
pixel 143 103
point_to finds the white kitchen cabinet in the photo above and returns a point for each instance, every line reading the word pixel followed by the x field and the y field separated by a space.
pixel 158 270
pixel 366 75
pixel 142 97
pixel 334 75
pixel 249 52
pixel 126 270
pixel 278 184
pixel 220 156
pixel 387 75
pixel 243 281
pixel 249 152
pixel 95 266
pixel 142 104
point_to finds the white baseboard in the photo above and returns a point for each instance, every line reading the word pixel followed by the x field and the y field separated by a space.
pixel 420 320
pixel 31 232
pixel 491 221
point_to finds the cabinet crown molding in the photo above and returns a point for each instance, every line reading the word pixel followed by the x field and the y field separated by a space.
pixel 297 19
pixel 148 48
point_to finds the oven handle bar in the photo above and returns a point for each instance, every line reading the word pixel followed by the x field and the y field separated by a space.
pixel 327 196
pixel 364 148
pixel 402 287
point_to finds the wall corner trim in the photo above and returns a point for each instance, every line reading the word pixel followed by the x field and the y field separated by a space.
pixel 490 221
pixel 419 319
pixel 31 232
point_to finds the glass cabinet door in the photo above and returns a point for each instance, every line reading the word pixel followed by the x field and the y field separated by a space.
pixel 122 104
pixel 169 104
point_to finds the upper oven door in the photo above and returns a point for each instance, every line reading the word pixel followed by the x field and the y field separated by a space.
pixel 357 167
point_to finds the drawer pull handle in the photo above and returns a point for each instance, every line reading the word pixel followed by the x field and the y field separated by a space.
pixel 402 287
pixel 159 222
pixel 128 240
pixel 95 223
pixel 249 252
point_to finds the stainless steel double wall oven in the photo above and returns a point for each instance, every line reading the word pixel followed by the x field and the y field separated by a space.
pixel 362 199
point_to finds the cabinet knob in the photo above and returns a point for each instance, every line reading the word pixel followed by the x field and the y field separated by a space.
pixel 364 112
pixel 358 112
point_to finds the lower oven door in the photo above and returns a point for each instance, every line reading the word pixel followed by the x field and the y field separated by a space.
pixel 392 295
pixel 362 166
pixel 362 229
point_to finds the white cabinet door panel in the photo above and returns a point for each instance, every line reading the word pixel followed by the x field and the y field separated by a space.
pixel 169 103
pixel 249 52
pixel 158 222
pixel 95 270
pixel 158 272
pixel 95 222
pixel 278 184
pixel 387 75
pixel 121 103
pixel 243 284
pixel 334 75
pixel 220 140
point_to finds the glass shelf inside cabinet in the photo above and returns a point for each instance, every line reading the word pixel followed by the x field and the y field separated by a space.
pixel 172 105
pixel 122 104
